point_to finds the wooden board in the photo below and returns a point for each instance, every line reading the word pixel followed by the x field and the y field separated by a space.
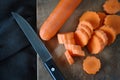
pixel 110 56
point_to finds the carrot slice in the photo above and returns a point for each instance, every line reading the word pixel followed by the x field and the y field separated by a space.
pixel 95 44
pixel 81 37
pixel 86 26
pixel 91 17
pixel 101 34
pixel 110 32
pixel 66 38
pixel 75 50
pixel 111 6
pixel 91 65
pixel 114 22
pixel 69 57
pixel 102 16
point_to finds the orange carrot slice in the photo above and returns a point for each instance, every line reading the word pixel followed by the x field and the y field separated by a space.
pixel 66 38
pixel 101 34
pixel 91 17
pixel 81 37
pixel 114 22
pixel 87 27
pixel 111 6
pixel 102 16
pixel 110 32
pixel 75 50
pixel 69 57
pixel 91 65
pixel 95 44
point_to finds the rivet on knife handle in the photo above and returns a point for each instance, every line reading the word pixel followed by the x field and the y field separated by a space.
pixel 53 70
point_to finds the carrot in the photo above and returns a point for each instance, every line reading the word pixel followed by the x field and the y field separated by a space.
pixel 114 22
pixel 91 17
pixel 69 57
pixel 111 6
pixel 57 18
pixel 66 38
pixel 85 23
pixel 91 65
pixel 86 26
pixel 110 32
pixel 75 50
pixel 102 16
pixel 101 34
pixel 95 44
pixel 81 37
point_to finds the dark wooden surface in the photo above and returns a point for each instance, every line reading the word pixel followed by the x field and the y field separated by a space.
pixel 110 56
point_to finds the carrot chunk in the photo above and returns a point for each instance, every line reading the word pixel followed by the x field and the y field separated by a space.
pixel 66 38
pixel 111 6
pixel 91 65
pixel 69 57
pixel 91 17
pixel 95 44
pixel 75 50
pixel 114 22
pixel 110 32
pixel 81 37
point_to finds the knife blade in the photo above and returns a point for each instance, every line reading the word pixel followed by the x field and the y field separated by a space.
pixel 39 47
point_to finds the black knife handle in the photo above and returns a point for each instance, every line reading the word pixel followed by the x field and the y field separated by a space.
pixel 53 70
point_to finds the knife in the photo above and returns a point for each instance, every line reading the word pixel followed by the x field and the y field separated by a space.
pixel 39 47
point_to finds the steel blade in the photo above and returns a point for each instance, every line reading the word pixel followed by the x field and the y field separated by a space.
pixel 33 38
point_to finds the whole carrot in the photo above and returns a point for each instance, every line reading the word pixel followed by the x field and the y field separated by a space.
pixel 57 18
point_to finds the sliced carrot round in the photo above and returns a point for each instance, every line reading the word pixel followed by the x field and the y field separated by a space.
pixel 101 34
pixel 102 16
pixel 91 65
pixel 110 33
pixel 114 22
pixel 91 17
pixel 95 44
pixel 111 6
pixel 87 27
pixel 81 37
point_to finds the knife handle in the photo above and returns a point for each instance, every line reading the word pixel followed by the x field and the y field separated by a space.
pixel 53 70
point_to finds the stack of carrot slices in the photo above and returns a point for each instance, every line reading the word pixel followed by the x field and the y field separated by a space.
pixel 70 45
pixel 95 30
pixel 110 32
pixel 83 33
pixel 97 42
